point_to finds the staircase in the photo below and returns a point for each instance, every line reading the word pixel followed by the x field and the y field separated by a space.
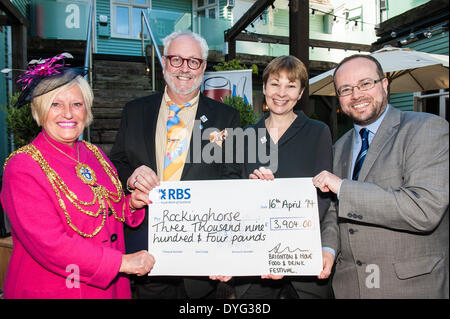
pixel 114 84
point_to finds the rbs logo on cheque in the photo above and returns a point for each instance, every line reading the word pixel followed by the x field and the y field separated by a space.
pixel 175 193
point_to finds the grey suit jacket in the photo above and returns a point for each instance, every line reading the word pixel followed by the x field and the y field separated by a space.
pixel 393 222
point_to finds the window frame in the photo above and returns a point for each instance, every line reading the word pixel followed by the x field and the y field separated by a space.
pixel 351 18
pixel 130 4
pixel 207 7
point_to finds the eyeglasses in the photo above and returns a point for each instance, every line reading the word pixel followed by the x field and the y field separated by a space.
pixel 177 61
pixel 363 85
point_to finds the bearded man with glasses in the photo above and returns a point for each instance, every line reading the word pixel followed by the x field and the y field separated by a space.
pixel 154 142
pixel 391 178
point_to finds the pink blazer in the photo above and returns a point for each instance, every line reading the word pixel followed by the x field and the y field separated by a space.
pixel 50 259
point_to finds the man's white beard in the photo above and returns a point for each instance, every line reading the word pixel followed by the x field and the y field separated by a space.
pixel 169 81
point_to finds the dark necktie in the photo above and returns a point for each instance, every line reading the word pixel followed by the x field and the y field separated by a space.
pixel 362 153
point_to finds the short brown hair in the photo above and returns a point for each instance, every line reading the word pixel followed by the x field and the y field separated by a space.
pixel 295 69
pixel 380 71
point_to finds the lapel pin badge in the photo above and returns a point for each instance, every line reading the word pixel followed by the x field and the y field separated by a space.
pixel 218 137
pixel 203 118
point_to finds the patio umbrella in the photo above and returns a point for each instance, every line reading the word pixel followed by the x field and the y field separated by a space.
pixel 406 69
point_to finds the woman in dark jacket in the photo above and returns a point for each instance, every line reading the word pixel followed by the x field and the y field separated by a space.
pixel 297 146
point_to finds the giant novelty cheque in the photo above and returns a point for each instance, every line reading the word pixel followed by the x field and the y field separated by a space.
pixel 235 228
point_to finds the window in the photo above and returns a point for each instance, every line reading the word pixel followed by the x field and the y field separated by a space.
pixel 434 102
pixel 383 10
pixel 126 17
pixel 207 8
pixel 354 19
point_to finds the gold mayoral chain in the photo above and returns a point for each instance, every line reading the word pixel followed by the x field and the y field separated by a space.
pixel 87 175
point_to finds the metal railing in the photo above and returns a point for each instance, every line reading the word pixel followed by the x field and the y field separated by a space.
pixel 154 47
pixel 88 53
pixel 88 60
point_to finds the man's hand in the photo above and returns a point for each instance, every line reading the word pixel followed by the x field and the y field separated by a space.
pixel 326 182
pixel 141 182
pixel 328 260
pixel 143 178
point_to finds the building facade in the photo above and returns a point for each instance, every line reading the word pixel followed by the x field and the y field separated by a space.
pixel 61 25
pixel 121 67
pixel 421 26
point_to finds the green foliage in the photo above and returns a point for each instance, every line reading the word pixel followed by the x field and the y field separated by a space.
pixel 234 64
pixel 245 110
pixel 20 123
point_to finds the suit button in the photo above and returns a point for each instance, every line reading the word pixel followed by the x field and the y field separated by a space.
pixel 359 263
pixel 351 231
pixel 113 238
pixel 360 217
pixel 109 211
pixel 350 215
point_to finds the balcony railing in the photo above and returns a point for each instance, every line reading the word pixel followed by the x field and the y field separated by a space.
pixel 53 19
pixel 164 22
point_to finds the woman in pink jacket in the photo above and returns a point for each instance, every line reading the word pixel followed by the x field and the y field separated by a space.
pixel 64 199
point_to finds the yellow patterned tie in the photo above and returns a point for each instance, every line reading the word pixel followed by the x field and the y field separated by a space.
pixel 176 141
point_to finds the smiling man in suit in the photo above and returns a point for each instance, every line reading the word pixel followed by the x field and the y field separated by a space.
pixel 391 178
pixel 158 141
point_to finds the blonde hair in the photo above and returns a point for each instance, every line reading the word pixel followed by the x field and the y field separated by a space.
pixel 40 105
pixel 293 66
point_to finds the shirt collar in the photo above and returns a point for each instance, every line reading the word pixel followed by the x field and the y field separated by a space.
pixel 193 102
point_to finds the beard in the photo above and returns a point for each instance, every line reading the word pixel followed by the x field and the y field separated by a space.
pixel 168 77
pixel 374 113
